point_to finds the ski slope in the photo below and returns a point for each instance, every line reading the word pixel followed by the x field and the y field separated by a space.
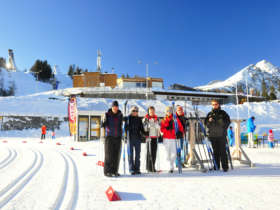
pixel 45 175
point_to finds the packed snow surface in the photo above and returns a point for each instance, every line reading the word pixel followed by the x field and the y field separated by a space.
pixel 45 175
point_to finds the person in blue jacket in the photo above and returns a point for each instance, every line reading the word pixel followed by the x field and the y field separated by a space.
pixel 230 135
pixel 250 129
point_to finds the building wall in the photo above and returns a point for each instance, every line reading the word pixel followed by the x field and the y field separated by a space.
pixel 78 81
pixel 92 79
pixel 110 80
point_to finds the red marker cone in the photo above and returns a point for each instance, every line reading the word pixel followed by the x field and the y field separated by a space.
pixel 84 154
pixel 58 143
pixel 100 163
pixel 24 142
pixel 112 195
pixel 71 148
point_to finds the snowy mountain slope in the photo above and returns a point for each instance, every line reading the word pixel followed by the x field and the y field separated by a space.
pixel 253 73
pixel 26 84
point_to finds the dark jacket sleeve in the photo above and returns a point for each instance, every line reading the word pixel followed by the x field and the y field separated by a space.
pixel 226 119
pixel 206 121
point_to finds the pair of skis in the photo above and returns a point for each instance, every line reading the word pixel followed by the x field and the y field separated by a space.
pixel 125 140
pixel 209 149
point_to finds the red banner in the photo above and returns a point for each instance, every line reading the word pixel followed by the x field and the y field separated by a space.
pixel 72 115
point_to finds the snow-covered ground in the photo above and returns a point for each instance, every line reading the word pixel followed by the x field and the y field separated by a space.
pixel 45 175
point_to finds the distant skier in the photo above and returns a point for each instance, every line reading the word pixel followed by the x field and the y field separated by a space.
pixel 251 128
pixel 217 122
pixel 53 135
pixel 270 139
pixel 152 129
pixel 113 126
pixel 169 136
pixel 134 126
pixel 230 136
pixel 43 132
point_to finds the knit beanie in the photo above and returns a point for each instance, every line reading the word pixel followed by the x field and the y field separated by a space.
pixel 115 103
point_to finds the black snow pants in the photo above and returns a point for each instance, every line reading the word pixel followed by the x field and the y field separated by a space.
pixel 151 155
pixel 219 149
pixel 112 154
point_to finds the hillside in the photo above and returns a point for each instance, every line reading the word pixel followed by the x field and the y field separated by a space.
pixel 254 73
pixel 25 83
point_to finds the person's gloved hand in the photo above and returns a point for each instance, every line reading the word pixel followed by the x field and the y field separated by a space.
pixel 178 134
pixel 170 125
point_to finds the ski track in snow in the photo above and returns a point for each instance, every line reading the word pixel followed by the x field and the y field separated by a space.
pixel 63 189
pixel 13 188
pixel 11 156
pixel 48 176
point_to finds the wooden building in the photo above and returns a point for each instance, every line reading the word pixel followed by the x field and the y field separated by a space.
pixel 95 79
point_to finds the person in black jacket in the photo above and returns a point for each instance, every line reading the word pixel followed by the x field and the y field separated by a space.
pixel 113 128
pixel 217 122
pixel 135 130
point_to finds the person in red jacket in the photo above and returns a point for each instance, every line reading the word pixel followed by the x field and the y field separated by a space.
pixel 170 135
pixel 44 131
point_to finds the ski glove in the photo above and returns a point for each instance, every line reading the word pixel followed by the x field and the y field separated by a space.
pixel 170 125
pixel 178 134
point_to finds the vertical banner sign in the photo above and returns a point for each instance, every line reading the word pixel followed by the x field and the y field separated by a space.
pixel 72 115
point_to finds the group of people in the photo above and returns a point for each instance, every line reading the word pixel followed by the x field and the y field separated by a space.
pixel 171 128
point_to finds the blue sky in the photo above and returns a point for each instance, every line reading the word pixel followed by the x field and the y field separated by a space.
pixel 193 42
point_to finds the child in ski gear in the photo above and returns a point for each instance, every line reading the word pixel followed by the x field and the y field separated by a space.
pixel 169 136
pixel 134 127
pixel 217 122
pixel 230 136
pixel 44 131
pixel 152 129
pixel 113 127
pixel 251 128
pixel 270 139
pixel 53 135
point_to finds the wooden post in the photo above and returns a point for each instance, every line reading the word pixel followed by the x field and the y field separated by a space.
pixel 238 151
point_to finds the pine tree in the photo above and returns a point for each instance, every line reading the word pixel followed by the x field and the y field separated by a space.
pixel 42 70
pixel 78 70
pixel 278 85
pixel 2 62
pixel 240 88
pixel 272 95
pixel 71 71
pixel 258 93
pixel 264 90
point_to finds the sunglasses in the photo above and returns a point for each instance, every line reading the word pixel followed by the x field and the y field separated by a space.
pixel 215 104
pixel 134 111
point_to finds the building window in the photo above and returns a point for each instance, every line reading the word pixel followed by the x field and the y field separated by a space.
pixel 140 84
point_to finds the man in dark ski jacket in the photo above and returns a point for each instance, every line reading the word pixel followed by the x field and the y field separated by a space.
pixel 217 122
pixel 135 129
pixel 113 128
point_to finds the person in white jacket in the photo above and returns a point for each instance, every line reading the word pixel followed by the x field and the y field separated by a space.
pixel 152 129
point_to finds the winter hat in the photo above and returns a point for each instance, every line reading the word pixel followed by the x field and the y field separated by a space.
pixel 115 103
pixel 270 131
pixel 169 109
pixel 133 108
